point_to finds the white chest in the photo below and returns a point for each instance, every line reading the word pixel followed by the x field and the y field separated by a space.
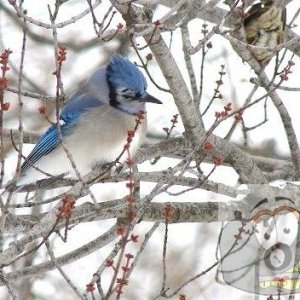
pixel 99 137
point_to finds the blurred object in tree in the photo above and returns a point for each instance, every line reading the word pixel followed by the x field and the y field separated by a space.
pixel 264 27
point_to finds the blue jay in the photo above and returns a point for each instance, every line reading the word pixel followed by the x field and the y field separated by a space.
pixel 93 123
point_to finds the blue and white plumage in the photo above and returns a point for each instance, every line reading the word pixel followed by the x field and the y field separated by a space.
pixel 93 123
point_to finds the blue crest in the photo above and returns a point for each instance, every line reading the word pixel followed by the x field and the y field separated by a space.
pixel 121 73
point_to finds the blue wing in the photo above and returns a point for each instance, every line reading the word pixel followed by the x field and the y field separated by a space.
pixel 71 112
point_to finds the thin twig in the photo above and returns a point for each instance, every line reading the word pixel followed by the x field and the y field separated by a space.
pixel 62 272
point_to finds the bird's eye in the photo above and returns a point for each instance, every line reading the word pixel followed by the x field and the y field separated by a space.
pixel 128 94
pixel 138 95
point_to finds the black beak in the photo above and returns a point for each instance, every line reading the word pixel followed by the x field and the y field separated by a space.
pixel 148 98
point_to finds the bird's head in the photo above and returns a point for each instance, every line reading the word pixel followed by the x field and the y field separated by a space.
pixel 127 86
